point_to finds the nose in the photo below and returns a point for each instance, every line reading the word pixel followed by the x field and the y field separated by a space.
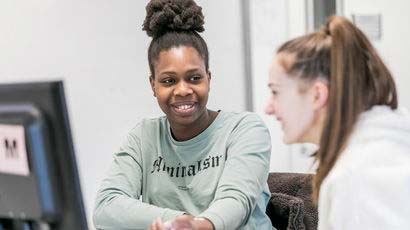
pixel 183 89
pixel 270 108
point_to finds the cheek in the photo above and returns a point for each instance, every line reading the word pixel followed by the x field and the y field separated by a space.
pixel 285 106
pixel 202 93
pixel 303 119
pixel 162 97
pixel 298 117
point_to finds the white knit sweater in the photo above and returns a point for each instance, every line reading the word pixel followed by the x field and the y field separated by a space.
pixel 369 187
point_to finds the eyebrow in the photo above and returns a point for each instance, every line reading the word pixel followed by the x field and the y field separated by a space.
pixel 167 73
pixel 193 70
pixel 189 71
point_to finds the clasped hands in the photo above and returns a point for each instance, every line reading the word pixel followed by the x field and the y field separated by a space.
pixel 183 222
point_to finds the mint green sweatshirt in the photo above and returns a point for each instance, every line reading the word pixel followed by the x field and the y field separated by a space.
pixel 221 174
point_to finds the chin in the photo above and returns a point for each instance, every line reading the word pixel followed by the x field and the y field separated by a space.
pixel 286 141
pixel 291 140
pixel 183 120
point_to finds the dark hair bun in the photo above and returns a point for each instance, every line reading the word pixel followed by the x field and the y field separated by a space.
pixel 172 15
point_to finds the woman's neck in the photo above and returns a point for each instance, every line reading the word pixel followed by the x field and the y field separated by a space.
pixel 316 131
pixel 186 132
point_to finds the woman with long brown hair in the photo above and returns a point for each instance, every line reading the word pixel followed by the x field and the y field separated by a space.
pixel 331 88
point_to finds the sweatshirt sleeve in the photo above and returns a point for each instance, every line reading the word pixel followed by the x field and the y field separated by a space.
pixel 117 204
pixel 244 176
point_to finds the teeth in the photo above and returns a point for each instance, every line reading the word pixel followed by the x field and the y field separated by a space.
pixel 185 107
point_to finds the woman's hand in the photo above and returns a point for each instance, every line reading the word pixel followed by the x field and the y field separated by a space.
pixel 157 225
pixel 183 222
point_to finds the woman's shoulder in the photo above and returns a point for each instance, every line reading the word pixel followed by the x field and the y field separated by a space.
pixel 238 117
pixel 371 160
pixel 147 126
pixel 242 122
pixel 244 126
pixel 381 136
pixel 238 113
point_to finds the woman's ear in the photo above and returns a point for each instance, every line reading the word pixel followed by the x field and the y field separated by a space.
pixel 321 95
pixel 152 83
pixel 209 80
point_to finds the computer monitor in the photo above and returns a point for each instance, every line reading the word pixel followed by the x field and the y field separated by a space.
pixel 39 182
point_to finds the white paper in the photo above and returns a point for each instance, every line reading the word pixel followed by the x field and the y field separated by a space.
pixel 13 153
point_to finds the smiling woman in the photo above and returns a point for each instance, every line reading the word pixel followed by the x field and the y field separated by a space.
pixel 332 89
pixel 181 85
pixel 193 168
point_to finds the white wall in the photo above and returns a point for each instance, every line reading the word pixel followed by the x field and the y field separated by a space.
pixel 272 23
pixel 394 46
pixel 98 48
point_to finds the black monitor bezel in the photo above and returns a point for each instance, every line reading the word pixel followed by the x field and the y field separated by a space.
pixel 49 98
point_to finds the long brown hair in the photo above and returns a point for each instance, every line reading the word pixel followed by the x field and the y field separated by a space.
pixel 357 80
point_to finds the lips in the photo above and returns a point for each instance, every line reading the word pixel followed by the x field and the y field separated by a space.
pixel 282 124
pixel 184 108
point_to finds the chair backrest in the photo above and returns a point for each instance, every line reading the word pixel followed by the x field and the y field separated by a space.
pixel 291 201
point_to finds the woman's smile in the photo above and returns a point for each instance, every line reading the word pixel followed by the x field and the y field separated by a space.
pixel 184 108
